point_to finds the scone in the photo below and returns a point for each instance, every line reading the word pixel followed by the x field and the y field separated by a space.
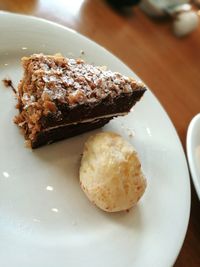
pixel 110 172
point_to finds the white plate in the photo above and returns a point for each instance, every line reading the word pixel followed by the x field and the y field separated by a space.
pixel 193 151
pixel 45 218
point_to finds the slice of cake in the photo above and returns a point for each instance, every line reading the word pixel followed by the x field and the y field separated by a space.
pixel 60 97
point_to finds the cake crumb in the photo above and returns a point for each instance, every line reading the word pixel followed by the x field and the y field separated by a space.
pixel 130 135
pixel 8 83
pixel 27 144
pixel 82 52
pixel 130 132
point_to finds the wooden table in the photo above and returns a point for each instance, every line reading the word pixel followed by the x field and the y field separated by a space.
pixel 170 66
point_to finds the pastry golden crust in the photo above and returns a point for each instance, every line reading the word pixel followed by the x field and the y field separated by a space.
pixel 110 172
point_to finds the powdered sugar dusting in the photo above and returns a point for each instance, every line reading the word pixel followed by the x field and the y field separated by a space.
pixel 73 81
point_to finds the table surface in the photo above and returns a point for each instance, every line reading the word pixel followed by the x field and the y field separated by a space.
pixel 168 65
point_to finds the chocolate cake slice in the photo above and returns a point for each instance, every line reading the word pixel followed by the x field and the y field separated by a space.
pixel 60 97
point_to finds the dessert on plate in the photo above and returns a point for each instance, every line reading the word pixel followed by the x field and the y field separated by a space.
pixel 60 97
pixel 110 172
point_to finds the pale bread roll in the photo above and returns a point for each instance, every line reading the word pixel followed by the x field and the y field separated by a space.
pixel 110 172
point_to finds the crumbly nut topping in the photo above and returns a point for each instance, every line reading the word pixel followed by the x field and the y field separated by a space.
pixel 54 78
pixel 71 81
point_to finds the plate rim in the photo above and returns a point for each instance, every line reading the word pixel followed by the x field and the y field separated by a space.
pixel 193 170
